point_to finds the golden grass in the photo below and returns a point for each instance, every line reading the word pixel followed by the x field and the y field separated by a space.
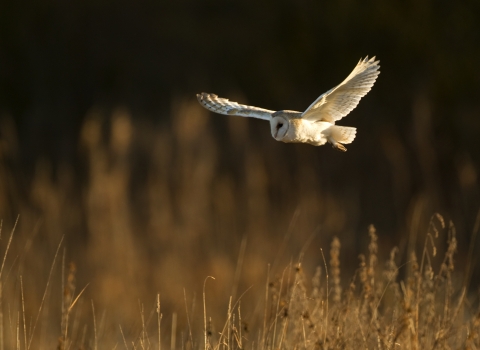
pixel 424 309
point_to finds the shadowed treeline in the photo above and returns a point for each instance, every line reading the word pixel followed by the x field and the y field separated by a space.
pixel 419 124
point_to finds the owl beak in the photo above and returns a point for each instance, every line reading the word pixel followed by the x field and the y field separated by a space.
pixel 276 131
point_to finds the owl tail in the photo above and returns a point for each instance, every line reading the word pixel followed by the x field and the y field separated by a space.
pixel 341 134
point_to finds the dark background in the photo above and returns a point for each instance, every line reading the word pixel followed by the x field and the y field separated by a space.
pixel 417 150
pixel 60 59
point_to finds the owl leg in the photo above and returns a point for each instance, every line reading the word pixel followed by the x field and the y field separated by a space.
pixel 337 135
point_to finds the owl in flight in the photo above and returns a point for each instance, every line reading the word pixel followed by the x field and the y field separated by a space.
pixel 316 125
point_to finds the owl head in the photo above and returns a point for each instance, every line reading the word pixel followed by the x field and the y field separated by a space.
pixel 279 125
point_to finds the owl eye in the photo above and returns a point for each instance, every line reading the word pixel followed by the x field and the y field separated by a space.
pixel 279 125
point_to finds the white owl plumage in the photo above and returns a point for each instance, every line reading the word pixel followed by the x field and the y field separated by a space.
pixel 316 125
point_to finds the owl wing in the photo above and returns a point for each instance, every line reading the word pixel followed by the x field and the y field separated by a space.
pixel 336 103
pixel 224 106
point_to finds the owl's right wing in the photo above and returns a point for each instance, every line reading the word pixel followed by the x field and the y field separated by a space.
pixel 223 106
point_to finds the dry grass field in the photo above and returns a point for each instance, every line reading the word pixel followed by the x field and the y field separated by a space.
pixel 162 239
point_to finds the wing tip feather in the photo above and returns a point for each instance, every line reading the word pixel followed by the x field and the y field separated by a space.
pixel 370 62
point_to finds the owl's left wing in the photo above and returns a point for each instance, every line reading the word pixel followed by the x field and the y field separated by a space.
pixel 223 106
pixel 336 103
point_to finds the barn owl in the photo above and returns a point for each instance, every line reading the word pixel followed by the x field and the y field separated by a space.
pixel 316 125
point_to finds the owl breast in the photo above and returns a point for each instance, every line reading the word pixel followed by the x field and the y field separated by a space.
pixel 305 131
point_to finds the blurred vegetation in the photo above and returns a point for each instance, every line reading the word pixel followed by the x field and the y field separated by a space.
pixel 296 308
pixel 103 143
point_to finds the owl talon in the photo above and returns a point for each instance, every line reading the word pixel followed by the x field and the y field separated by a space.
pixel 339 147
